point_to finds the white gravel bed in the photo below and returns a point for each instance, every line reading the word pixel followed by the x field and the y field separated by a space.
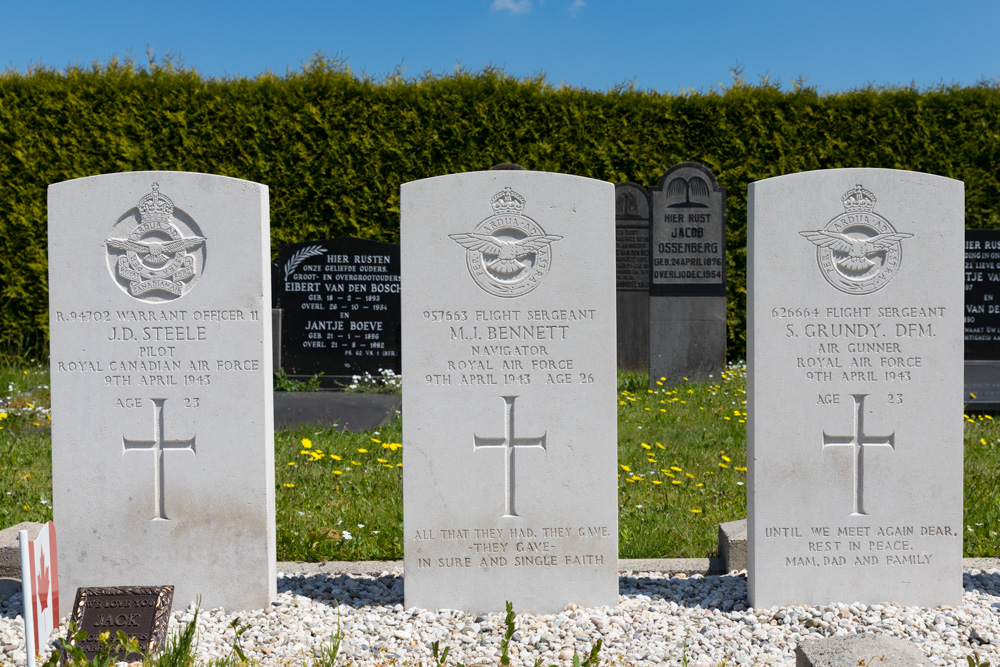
pixel 658 620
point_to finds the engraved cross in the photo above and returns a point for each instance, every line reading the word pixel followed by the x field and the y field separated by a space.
pixel 859 441
pixel 510 444
pixel 158 444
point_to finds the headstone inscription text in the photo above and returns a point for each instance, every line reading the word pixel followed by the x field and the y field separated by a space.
pixel 632 296
pixel 340 308
pixel 854 305
pixel 982 294
pixel 508 317
pixel 688 246
pixel 141 612
pixel 161 370
pixel 982 317
pixel 687 269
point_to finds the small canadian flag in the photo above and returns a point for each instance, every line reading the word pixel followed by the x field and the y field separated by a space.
pixel 39 587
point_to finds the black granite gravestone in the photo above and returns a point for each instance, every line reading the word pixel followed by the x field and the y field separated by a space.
pixel 340 308
pixel 982 317
pixel 687 276
pixel 632 242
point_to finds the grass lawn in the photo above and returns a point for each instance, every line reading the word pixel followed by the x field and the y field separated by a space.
pixel 681 472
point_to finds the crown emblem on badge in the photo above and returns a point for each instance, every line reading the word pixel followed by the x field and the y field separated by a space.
pixel 858 254
pixel 507 202
pixel 155 207
pixel 508 253
pixel 155 257
pixel 858 200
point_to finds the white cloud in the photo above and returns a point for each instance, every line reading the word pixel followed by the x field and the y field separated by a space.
pixel 575 8
pixel 512 6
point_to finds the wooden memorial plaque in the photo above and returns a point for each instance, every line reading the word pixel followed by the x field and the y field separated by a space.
pixel 142 612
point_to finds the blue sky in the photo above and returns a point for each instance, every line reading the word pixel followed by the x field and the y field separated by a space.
pixel 664 45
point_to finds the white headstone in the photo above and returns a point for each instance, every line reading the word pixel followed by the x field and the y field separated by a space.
pixel 854 392
pixel 509 415
pixel 162 437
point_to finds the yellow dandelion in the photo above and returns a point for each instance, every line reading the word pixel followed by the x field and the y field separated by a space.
pixel 676 469
pixel 723 465
pixel 289 485
pixel 626 468
pixel 362 450
pixel 689 475
pixel 696 511
pixel 660 446
pixel 644 445
pixel 334 457
pixel 291 463
pixel 725 458
pixel 382 460
pixel 982 440
pixel 389 466
pixel 972 395
pixel 676 481
pixel 375 440
pixel 337 472
pixel 307 443
pixel 656 481
pixel 989 417
pixel 355 463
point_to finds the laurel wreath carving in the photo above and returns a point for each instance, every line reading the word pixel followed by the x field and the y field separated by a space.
pixel 300 256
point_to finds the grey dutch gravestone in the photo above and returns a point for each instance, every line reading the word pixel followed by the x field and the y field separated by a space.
pixel 982 318
pixel 509 422
pixel 163 444
pixel 632 297
pixel 854 439
pixel 339 301
pixel 687 268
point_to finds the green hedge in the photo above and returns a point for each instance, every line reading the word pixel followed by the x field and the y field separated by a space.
pixel 334 147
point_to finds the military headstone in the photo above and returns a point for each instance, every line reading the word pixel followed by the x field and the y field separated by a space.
pixel 508 319
pixel 687 269
pixel 632 244
pixel 162 452
pixel 855 431
pixel 982 317
pixel 339 300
